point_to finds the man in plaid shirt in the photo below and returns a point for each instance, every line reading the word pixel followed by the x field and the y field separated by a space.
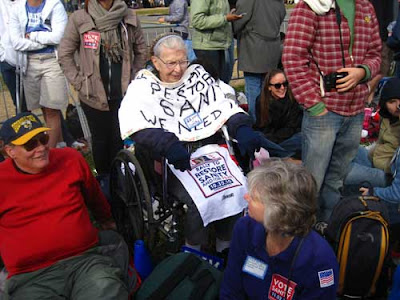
pixel 332 119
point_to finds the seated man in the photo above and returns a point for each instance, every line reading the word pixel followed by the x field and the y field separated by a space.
pixel 176 113
pixel 47 241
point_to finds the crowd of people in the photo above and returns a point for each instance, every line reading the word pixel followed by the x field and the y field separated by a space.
pixel 308 115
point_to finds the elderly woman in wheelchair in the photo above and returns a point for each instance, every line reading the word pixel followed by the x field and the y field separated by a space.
pixel 177 112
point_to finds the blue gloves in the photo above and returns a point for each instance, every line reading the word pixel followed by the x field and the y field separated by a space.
pixel 248 140
pixel 178 156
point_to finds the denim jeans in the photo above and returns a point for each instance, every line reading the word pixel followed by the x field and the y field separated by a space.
pixel 292 144
pixel 330 143
pixel 9 77
pixel 362 171
pixel 252 88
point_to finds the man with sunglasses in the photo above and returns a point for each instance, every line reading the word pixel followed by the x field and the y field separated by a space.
pixel 46 234
pixel 332 48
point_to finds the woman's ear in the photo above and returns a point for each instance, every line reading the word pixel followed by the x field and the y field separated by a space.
pixel 155 62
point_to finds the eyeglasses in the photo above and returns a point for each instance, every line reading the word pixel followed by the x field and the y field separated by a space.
pixel 278 85
pixel 173 64
pixel 42 138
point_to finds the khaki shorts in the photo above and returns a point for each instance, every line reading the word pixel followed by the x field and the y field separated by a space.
pixel 44 83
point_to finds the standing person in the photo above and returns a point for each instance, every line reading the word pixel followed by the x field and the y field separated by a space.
pixel 212 35
pixel 36 28
pixel 111 47
pixel 8 56
pixel 179 14
pixel 317 49
pixel 258 32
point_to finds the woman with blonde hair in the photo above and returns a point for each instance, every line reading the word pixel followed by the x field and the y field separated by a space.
pixel 274 252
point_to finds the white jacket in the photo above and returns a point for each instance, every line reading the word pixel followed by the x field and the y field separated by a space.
pixel 7 52
pixel 54 11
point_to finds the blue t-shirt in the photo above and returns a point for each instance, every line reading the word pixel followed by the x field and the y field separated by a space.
pixel 36 23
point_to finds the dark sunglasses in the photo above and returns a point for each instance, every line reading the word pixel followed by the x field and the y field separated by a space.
pixel 278 85
pixel 41 138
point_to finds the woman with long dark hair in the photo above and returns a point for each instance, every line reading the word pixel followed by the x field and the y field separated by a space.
pixel 279 116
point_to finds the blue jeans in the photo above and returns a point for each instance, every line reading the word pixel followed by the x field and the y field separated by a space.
pixel 9 77
pixel 330 143
pixel 362 171
pixel 293 144
pixel 253 84
pixel 230 59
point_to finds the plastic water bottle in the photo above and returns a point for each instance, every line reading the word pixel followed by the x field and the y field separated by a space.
pixel 142 259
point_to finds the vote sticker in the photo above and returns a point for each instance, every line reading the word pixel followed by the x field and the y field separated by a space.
pixel 91 40
pixel 279 288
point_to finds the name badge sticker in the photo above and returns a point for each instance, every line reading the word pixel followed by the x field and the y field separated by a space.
pixel 91 40
pixel 193 120
pixel 255 267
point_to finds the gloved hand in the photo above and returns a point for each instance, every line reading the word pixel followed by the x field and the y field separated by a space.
pixel 249 141
pixel 178 156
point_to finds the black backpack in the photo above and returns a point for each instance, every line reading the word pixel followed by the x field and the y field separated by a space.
pixel 358 232
pixel 182 276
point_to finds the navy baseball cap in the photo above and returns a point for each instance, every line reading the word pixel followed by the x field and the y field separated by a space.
pixel 20 129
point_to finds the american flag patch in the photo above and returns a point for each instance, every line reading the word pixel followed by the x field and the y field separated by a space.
pixel 326 278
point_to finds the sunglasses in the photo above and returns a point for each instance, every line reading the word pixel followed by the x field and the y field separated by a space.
pixel 40 139
pixel 278 85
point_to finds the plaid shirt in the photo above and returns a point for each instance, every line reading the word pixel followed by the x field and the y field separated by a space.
pixel 310 33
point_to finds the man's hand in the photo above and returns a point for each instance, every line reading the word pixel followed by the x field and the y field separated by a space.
pixel 161 20
pixel 108 225
pixel 233 17
pixel 27 36
pixel 355 75
pixel 364 191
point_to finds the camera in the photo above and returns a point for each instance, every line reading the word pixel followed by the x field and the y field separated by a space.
pixel 330 79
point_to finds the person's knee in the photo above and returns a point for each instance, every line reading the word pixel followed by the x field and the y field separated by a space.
pixel 51 113
pixel 102 280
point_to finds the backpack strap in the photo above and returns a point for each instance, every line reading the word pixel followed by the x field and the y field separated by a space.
pixel 186 268
pixel 203 280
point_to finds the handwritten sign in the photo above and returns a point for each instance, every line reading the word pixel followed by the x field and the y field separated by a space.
pixel 193 108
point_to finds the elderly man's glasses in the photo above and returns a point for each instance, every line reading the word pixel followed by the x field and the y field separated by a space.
pixel 278 85
pixel 173 64
pixel 40 139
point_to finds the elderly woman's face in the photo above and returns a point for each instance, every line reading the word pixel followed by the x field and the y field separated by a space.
pixel 171 64
pixel 256 208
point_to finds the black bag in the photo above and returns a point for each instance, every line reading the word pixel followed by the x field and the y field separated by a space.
pixel 181 276
pixel 358 231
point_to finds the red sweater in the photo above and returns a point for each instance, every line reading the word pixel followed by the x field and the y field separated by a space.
pixel 43 217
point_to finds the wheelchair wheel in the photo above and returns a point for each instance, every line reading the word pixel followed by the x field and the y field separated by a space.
pixel 131 202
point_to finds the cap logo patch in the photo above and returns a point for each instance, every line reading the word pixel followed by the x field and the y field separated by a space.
pixel 25 122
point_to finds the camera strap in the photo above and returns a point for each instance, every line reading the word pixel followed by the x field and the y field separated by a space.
pixel 339 22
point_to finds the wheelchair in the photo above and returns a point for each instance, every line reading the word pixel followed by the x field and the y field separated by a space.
pixel 141 205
